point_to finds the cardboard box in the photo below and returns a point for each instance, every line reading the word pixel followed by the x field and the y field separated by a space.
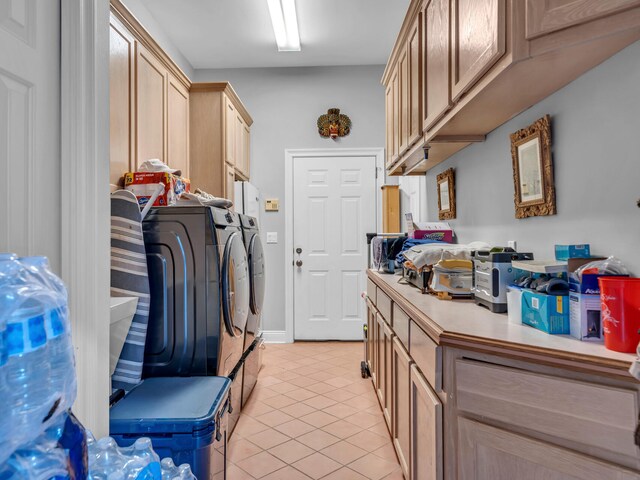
pixel 548 313
pixel 585 317
pixel 143 184
pixel 565 252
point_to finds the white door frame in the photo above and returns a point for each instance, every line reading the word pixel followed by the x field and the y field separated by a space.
pixel 290 155
pixel 85 200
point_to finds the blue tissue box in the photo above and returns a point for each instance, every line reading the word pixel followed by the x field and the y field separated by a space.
pixel 548 313
pixel 565 252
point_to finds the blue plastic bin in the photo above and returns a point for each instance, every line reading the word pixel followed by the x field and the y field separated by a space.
pixel 185 417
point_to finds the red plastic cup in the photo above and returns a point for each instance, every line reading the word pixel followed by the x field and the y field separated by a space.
pixel 620 298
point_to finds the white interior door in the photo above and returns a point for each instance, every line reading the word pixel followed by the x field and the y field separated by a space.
pixel 334 207
pixel 30 202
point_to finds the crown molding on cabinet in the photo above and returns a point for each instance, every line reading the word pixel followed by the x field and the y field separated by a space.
pixel 226 88
pixel 409 18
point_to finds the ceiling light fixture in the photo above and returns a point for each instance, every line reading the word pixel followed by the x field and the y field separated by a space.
pixel 285 24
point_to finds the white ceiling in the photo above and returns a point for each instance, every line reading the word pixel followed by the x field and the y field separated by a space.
pixel 238 33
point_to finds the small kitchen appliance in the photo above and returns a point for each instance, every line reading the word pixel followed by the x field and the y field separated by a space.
pixel 492 275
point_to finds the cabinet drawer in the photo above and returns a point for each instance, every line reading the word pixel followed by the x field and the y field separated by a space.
pixel 587 413
pixel 427 355
pixel 383 302
pixel 401 325
pixel 371 290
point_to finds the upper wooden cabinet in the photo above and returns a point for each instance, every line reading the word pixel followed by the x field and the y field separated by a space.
pixel 483 62
pixel 478 40
pixel 149 100
pixel 178 126
pixel 219 137
pixel 436 64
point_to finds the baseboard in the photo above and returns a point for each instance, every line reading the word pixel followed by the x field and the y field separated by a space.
pixel 275 336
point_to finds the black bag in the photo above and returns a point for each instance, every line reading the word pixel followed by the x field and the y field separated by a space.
pixel 385 250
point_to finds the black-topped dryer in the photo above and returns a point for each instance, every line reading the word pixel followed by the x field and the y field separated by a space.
pixel 257 280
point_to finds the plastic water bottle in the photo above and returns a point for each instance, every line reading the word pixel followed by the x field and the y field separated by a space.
pixel 41 459
pixel 105 459
pixel 145 457
pixel 169 469
pixel 53 298
pixel 184 472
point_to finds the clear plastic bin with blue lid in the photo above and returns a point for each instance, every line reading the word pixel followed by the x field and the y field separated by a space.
pixel 185 417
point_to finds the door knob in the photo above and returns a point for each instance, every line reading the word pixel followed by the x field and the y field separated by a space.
pixel 298 263
pixel 298 250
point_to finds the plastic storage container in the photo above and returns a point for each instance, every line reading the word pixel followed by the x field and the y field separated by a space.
pixel 185 417
pixel 620 299
pixel 514 304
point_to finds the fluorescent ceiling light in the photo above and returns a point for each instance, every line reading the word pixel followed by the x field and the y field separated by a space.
pixel 285 24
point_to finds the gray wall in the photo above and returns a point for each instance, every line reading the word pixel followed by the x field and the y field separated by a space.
pixel 285 104
pixel 596 146
pixel 146 18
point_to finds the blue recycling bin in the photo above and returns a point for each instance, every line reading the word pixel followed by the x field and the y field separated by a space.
pixel 185 417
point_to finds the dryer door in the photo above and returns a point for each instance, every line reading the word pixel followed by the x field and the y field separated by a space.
pixel 235 285
pixel 256 273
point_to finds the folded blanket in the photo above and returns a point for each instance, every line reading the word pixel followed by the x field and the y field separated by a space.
pixel 430 254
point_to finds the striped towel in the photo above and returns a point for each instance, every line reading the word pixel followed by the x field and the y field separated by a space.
pixel 129 278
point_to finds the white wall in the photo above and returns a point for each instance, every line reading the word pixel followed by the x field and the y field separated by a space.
pixel 285 104
pixel 146 18
pixel 413 199
pixel 596 155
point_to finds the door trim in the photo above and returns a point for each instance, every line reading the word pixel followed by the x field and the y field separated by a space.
pixel 85 200
pixel 290 155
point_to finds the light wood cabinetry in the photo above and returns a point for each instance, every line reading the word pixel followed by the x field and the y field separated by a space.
pixel 122 51
pixel 436 60
pixel 178 126
pixel 489 453
pixel 219 138
pixel 388 108
pixel 426 429
pixel 464 403
pixel 402 406
pixel 395 118
pixel 149 100
pixel 483 62
pixel 390 208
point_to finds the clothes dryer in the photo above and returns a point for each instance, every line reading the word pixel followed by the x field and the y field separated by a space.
pixel 257 280
pixel 199 279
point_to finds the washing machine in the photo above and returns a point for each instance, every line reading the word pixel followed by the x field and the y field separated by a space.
pixel 199 284
pixel 253 338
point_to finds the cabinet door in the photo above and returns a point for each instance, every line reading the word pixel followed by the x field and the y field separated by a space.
pixel 478 40
pixel 230 119
pixel 229 181
pixel 239 144
pixel 371 318
pixel 246 150
pixel 151 111
pixel 178 126
pixel 426 429
pixel 395 86
pixel 489 453
pixel 547 17
pixel 401 387
pixel 121 100
pixel 389 113
pixel 436 60
pixel 373 332
pixel 388 378
pixel 382 375
pixel 403 69
pixel 414 83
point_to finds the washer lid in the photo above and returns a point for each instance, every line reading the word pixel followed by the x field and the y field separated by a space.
pixel 235 285
pixel 257 273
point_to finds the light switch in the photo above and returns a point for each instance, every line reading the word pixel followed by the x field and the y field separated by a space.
pixel 272 205
pixel 272 237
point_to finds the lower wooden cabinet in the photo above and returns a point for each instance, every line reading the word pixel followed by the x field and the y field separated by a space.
pixel 387 393
pixel 371 320
pixel 401 420
pixel 380 355
pixel 426 429
pixel 489 453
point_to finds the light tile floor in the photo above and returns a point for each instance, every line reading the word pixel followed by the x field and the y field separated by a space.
pixel 312 416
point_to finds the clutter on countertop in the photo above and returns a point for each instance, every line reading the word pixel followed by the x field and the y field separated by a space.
pixel 565 252
pixel 438 231
pixel 200 197
pixel 143 185
pixel 620 297
pixel 430 254
pixel 541 266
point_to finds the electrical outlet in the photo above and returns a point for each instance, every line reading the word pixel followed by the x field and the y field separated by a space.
pixel 513 244
pixel 272 237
